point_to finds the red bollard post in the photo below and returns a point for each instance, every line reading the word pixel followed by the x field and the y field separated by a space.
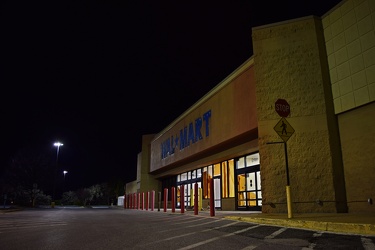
pixel 159 201
pixel 165 199
pixel 131 201
pixel 182 199
pixel 212 201
pixel 138 201
pixel 143 201
pixel 173 199
pixel 125 201
pixel 152 200
pixel 147 195
pixel 196 198
pixel 134 200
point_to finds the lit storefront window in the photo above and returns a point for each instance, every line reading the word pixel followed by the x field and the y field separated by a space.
pixel 247 171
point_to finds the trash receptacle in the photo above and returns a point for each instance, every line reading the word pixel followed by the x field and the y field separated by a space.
pixel 52 204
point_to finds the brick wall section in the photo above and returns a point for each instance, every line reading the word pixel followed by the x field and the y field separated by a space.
pixel 290 63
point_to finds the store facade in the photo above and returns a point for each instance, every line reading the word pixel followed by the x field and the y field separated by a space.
pixel 214 140
pixel 324 68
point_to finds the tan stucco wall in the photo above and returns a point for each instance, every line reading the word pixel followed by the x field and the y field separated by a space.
pixel 131 187
pixel 350 42
pixel 357 130
pixel 290 63
pixel 147 181
pixel 233 114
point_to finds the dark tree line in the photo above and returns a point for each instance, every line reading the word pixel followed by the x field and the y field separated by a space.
pixel 28 180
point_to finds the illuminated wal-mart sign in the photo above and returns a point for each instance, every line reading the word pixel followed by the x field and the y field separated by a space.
pixel 188 134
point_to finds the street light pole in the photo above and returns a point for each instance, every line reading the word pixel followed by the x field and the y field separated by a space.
pixel 58 145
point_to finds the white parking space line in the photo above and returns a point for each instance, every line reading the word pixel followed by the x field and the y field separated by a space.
pixel 189 221
pixel 216 238
pixel 195 225
pixel 271 236
pixel 367 243
pixel 201 224
pixel 312 245
pixel 249 247
pixel 187 234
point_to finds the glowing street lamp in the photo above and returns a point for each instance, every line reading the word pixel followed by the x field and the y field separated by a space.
pixel 58 145
pixel 64 172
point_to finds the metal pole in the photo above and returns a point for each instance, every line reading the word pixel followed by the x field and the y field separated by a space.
pixel 212 197
pixel 58 145
pixel 165 199
pixel 54 175
pixel 195 198
pixel 286 164
pixel 173 197
pixel 288 195
pixel 182 199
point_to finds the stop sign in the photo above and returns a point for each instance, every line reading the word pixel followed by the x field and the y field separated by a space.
pixel 282 107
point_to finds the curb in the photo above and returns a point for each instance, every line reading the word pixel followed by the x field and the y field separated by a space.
pixel 336 227
pixel 9 210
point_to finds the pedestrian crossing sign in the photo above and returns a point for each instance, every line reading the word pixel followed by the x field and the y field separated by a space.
pixel 284 129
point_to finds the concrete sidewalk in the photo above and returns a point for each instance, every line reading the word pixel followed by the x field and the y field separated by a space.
pixel 359 223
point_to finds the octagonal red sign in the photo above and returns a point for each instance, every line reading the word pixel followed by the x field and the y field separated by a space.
pixel 282 107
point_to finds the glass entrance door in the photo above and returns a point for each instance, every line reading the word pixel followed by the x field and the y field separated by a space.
pixel 217 193
pixel 249 195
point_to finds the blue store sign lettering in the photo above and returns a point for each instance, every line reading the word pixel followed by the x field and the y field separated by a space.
pixel 189 134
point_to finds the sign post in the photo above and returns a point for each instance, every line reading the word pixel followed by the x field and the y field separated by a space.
pixel 285 131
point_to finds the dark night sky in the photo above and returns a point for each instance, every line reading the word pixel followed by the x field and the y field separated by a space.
pixel 97 75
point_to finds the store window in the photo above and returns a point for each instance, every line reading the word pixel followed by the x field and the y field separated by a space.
pixel 227 178
pixel 240 176
pixel 206 178
pixel 188 180
pixel 249 194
